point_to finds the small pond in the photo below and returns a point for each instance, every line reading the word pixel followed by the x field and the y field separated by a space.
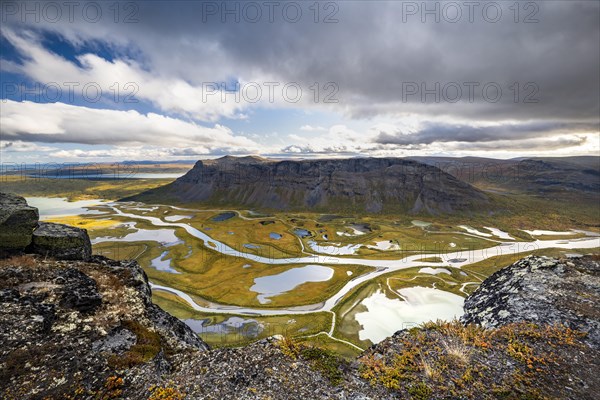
pixel 302 233
pixel 273 285
pixel 175 218
pixel 223 216
pixel 60 206
pixel 162 264
pixel 386 316
pixel 165 236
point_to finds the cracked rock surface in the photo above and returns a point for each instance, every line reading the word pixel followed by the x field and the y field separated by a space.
pixel 541 290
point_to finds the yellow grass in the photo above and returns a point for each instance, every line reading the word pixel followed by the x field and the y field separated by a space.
pixel 85 223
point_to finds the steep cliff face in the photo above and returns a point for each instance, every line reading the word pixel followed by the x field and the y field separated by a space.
pixel 362 185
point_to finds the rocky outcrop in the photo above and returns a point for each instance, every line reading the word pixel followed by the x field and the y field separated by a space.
pixel 20 230
pixel 371 185
pixel 17 222
pixel 541 290
pixel 529 331
pixel 70 327
pixel 61 241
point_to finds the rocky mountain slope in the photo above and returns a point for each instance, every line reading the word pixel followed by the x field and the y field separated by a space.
pixel 361 185
pixel 87 329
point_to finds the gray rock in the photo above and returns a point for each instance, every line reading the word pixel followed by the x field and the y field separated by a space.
pixel 117 341
pixel 168 325
pixel 80 291
pixel 77 320
pixel 540 290
pixel 17 222
pixel 61 241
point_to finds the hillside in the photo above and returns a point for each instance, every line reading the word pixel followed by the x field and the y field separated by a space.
pixel 362 185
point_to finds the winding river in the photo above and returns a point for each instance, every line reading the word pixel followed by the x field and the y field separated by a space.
pixel 455 259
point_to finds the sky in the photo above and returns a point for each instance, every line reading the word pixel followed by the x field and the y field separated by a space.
pixel 183 80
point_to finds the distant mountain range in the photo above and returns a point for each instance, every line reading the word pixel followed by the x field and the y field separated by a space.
pixel 428 185
pixel 539 176
pixel 329 185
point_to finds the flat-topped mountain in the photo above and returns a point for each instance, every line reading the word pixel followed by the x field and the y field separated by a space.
pixel 357 184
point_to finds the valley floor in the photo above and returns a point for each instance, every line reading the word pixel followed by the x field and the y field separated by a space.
pixel 236 276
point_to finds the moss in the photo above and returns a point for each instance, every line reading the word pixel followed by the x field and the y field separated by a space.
pixel 290 347
pixel 147 346
pixel 15 239
pixel 465 361
pixel 167 392
pixel 325 362
pixel 420 391
pixel 59 242
pixel 18 361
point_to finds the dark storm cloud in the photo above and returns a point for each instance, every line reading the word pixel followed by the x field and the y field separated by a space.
pixel 375 50
pixel 441 132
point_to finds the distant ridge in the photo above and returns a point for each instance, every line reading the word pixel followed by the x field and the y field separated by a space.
pixel 571 176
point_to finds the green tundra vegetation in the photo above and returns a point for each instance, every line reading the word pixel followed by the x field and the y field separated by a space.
pixel 78 189
pixel 209 276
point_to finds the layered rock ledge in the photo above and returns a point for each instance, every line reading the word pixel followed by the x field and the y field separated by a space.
pixel 61 241
pixel 21 230
pixel 17 222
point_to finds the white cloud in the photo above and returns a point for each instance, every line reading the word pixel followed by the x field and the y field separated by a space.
pixel 122 79
pixel 128 153
pixel 58 122
pixel 310 128
pixel 343 140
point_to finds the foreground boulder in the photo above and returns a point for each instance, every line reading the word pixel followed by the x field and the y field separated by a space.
pixel 17 222
pixel 61 241
pixel 541 290
pixel 20 229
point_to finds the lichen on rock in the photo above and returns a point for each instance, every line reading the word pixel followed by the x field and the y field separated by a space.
pixel 61 241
